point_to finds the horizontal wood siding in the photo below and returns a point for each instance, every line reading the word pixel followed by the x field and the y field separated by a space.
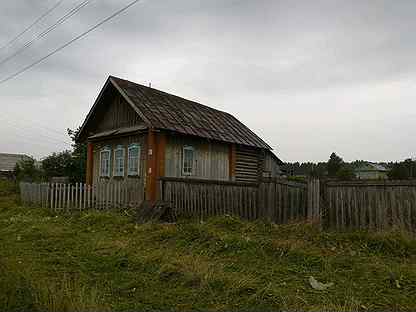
pixel 113 143
pixel 247 166
pixel 211 158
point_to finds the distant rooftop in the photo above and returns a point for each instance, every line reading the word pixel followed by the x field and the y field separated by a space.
pixel 9 161
pixel 369 166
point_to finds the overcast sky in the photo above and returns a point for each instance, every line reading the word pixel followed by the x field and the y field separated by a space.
pixel 309 77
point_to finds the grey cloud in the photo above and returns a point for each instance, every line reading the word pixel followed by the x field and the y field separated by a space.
pixel 311 77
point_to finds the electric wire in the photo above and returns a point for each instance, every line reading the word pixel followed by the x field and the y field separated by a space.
pixel 48 30
pixel 12 41
pixel 80 36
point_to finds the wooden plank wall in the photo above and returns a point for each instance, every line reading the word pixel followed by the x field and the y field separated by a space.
pixel 375 205
pixel 211 158
pixel 80 196
pixel 116 113
pixel 113 143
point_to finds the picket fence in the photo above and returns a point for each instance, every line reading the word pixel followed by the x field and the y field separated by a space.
pixel 80 196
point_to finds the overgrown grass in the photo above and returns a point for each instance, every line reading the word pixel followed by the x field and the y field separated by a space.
pixel 7 187
pixel 103 261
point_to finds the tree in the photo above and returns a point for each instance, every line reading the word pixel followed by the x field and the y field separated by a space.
pixel 403 170
pixel 318 170
pixel 58 165
pixel 71 164
pixel 345 173
pixel 334 165
pixel 79 157
pixel 26 170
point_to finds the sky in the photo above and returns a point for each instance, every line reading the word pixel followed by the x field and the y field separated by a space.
pixel 309 77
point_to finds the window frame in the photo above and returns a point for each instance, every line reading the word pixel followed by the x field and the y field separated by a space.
pixel 130 147
pixel 192 167
pixel 105 149
pixel 115 167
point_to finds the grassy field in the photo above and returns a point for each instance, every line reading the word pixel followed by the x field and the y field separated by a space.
pixel 103 261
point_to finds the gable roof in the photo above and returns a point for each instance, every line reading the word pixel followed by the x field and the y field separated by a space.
pixel 161 110
pixel 9 161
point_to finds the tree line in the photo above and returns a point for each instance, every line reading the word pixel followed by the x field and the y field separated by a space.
pixel 337 168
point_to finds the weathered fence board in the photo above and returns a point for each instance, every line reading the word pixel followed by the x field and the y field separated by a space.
pixel 274 200
pixel 67 197
pixel 375 205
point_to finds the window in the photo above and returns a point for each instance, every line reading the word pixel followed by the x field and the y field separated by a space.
pixel 105 160
pixel 119 161
pixel 187 160
pixel 133 163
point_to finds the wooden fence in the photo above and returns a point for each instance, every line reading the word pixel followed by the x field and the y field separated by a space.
pixel 275 200
pixel 67 197
pixel 373 205
pixel 282 201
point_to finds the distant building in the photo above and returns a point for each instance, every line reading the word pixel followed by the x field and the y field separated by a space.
pixel 371 171
pixel 8 163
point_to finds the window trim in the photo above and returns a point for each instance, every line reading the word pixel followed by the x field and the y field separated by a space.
pixel 130 147
pixel 115 173
pixel 188 148
pixel 105 149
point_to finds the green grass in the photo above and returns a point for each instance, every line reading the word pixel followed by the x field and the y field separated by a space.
pixel 103 261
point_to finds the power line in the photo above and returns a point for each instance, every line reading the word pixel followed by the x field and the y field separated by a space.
pixel 49 29
pixel 31 25
pixel 69 42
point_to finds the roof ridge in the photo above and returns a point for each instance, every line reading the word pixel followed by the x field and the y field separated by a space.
pixel 171 94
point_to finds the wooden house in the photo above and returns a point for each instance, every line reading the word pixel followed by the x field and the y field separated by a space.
pixel 139 134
